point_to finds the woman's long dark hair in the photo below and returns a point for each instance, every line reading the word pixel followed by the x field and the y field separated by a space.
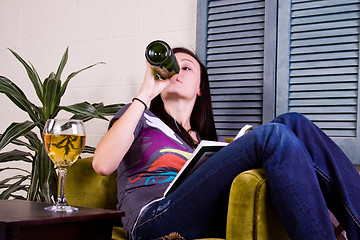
pixel 201 119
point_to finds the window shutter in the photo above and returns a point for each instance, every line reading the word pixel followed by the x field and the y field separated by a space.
pixel 234 58
pixel 318 66
pixel 303 53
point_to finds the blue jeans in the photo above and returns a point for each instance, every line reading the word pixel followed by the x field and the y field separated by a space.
pixel 307 174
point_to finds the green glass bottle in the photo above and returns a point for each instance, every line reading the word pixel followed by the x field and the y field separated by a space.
pixel 162 59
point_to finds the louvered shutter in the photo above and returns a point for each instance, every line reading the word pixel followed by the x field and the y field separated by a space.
pixel 234 56
pixel 318 66
pixel 316 63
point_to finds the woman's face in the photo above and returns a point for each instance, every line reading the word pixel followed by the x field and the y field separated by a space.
pixel 186 84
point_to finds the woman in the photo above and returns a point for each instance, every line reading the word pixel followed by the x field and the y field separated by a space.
pixel 307 173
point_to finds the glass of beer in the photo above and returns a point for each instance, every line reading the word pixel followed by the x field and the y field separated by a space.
pixel 64 140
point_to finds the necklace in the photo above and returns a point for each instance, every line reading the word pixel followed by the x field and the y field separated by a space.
pixel 189 131
pixel 168 111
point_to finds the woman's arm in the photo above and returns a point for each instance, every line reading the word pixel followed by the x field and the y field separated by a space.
pixel 117 141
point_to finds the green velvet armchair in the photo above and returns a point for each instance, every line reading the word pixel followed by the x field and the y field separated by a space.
pixel 250 215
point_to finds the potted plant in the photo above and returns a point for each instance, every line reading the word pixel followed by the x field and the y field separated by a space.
pixel 41 183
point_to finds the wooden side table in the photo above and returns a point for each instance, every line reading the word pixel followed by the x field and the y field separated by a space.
pixel 28 220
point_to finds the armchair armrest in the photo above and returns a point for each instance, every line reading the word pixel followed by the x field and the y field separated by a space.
pixel 85 188
pixel 250 214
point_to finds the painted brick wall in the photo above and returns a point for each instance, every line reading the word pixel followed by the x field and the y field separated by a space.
pixel 113 31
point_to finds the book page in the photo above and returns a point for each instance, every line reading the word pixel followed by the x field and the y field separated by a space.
pixel 203 152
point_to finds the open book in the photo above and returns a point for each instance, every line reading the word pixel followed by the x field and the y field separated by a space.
pixel 202 152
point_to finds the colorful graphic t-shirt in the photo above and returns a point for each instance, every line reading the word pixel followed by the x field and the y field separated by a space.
pixel 155 157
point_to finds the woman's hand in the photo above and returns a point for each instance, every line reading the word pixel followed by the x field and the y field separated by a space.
pixel 151 85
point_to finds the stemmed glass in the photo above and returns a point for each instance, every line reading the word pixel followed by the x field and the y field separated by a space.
pixel 64 140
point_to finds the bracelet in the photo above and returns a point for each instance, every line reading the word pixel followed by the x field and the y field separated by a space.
pixel 140 101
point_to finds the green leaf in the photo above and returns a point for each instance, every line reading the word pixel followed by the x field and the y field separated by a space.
pixel 14 168
pixel 47 175
pixel 18 197
pixel 51 96
pixel 33 139
pixel 83 110
pixel 22 143
pixel 89 149
pixel 51 76
pixel 109 110
pixel 12 90
pixel 36 74
pixel 14 93
pixel 13 188
pixel 62 64
pixel 14 131
pixel 33 111
pixel 64 86
pixel 34 77
pixel 34 186
pixel 4 183
pixel 15 155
